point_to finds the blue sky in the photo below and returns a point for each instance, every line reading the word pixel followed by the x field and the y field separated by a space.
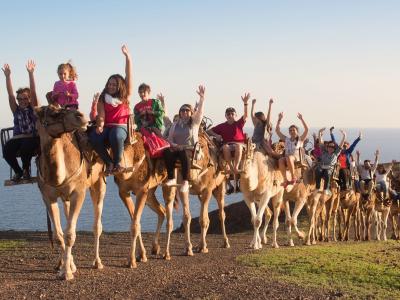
pixel 336 62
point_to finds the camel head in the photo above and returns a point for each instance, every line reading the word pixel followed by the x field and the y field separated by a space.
pixel 56 121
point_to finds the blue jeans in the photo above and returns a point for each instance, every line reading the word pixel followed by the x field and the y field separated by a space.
pixel 115 137
pixel 323 174
pixel 382 186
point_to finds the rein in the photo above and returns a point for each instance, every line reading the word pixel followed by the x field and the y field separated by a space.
pixel 68 180
pixel 46 124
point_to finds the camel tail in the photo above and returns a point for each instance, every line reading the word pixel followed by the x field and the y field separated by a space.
pixel 49 230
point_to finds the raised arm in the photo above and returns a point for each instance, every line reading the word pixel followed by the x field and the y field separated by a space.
pixel 198 114
pixel 376 161
pixel 351 148
pixel 269 110
pixel 305 133
pixel 278 127
pixel 332 135
pixel 11 98
pixel 93 109
pixel 343 138
pixel 390 167
pixel 245 100
pixel 128 70
pixel 320 136
pixel 253 117
pixel 357 158
pixel 30 67
pixel 100 117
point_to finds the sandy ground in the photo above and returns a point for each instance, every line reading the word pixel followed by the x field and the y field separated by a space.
pixel 28 271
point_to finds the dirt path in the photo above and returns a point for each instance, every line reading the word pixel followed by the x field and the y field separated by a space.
pixel 27 272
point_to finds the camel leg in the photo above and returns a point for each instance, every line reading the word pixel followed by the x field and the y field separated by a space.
pixel 169 198
pixel 297 209
pixel 253 212
pixel 340 221
pixel 136 229
pixel 66 205
pixel 267 219
pixel 288 222
pixel 377 218
pixel 312 213
pixel 155 206
pixel 263 203
pixel 58 235
pixel 97 193
pixel 187 218
pixel 276 203
pixel 127 200
pixel 368 224
pixel 77 199
pixel 394 233
pixel 334 220
pixel 204 220
pixel 219 194
pixel 385 216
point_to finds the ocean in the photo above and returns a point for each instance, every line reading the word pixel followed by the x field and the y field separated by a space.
pixel 22 208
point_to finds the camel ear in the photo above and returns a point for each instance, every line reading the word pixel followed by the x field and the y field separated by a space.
pixel 38 111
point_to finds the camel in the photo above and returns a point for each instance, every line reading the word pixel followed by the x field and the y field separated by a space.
pixel 367 207
pixel 319 206
pixel 141 176
pixel 260 181
pixel 395 206
pixel 299 194
pixel 64 172
pixel 381 214
pixel 205 180
pixel 349 208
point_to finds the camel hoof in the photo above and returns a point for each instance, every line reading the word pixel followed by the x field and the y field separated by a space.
pixel 291 244
pixel 97 264
pixel 167 256
pixel 314 242
pixel 227 245
pixel 142 259
pixel 155 250
pixel 203 250
pixel 132 264
pixel 73 267
pixel 264 241
pixel 65 276
pixel 275 245
pixel 189 252
pixel 308 243
pixel 301 235
pixel 58 266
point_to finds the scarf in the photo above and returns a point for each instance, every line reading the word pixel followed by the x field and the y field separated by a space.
pixel 112 101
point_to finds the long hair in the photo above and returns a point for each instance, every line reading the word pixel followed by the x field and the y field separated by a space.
pixel 122 92
pixel 71 70
pixel 187 106
pixel 297 129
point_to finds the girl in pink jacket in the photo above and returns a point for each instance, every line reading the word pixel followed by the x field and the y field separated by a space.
pixel 65 92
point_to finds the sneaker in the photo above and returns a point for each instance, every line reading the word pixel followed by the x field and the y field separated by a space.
pixel 118 169
pixel 229 188
pixel 17 177
pixel 170 182
pixel 109 170
pixel 185 187
pixel 26 174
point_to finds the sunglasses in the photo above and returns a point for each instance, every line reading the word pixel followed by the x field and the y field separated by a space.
pixel 22 99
